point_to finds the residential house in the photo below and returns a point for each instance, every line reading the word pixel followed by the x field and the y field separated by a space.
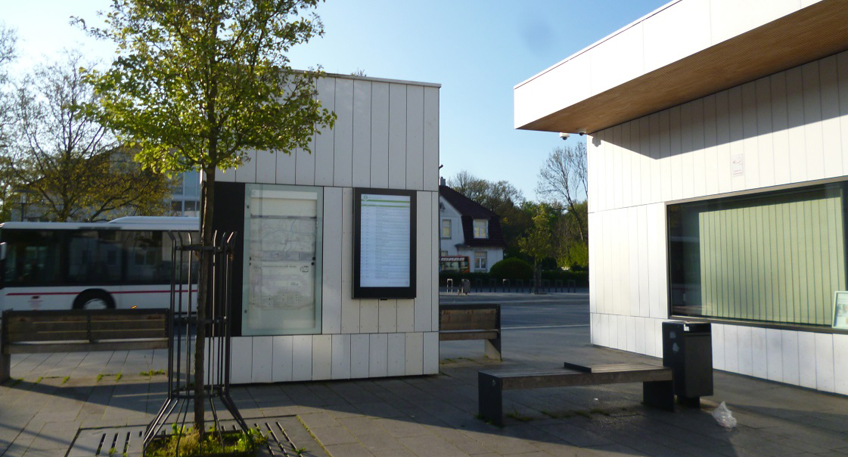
pixel 468 229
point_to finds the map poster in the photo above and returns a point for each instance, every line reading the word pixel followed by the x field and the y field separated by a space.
pixel 282 271
pixel 840 309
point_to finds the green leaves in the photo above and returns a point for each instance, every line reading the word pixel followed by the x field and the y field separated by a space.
pixel 198 83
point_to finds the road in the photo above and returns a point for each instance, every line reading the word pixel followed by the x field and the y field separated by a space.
pixel 526 311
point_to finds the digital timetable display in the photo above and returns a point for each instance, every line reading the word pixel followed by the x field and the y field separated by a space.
pixel 384 243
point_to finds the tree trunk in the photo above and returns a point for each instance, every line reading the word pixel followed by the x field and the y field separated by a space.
pixel 203 281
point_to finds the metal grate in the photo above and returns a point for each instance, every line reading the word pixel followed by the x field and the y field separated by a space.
pixel 129 441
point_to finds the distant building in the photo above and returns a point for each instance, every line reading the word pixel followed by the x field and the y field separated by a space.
pixel 468 229
pixel 185 199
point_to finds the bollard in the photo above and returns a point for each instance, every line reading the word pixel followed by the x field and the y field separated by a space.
pixel 506 285
pixel 449 285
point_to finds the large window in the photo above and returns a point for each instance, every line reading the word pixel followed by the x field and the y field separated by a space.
pixel 771 257
pixel 481 228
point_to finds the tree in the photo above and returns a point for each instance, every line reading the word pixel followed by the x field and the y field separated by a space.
pixel 8 38
pixel 68 163
pixel 7 54
pixel 537 243
pixel 197 83
pixel 564 178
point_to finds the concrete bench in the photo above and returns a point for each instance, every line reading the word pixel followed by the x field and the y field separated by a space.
pixel 35 332
pixel 657 387
pixel 472 322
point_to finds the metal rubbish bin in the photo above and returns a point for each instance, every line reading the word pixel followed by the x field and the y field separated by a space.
pixel 688 351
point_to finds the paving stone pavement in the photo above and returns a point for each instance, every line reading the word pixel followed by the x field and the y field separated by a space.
pixel 55 395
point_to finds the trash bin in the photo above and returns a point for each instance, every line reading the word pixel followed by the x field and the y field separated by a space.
pixel 688 351
pixel 466 287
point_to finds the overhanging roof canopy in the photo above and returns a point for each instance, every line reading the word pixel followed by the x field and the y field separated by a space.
pixel 801 36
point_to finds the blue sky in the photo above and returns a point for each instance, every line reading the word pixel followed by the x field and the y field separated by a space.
pixel 477 50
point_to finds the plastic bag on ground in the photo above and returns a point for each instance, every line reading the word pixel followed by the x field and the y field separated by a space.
pixel 724 417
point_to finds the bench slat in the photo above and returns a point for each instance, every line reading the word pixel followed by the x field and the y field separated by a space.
pixel 461 319
pixel 41 348
pixel 127 334
pixel 55 335
pixel 566 378
pixel 459 335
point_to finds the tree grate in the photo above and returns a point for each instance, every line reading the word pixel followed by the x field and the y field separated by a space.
pixel 129 441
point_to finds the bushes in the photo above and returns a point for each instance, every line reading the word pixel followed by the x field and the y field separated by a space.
pixel 580 277
pixel 512 269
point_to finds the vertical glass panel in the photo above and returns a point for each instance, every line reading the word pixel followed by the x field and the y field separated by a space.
pixel 282 293
pixel 774 257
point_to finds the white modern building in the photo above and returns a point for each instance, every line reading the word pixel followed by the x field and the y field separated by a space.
pixel 717 135
pixel 467 229
pixel 296 316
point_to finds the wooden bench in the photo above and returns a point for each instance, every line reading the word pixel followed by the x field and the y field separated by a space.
pixel 657 387
pixel 472 322
pixel 34 332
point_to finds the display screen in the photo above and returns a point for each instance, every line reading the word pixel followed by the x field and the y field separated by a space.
pixel 384 245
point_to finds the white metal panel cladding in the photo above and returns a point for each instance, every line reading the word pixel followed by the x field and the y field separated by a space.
pixel 788 128
pixel 386 136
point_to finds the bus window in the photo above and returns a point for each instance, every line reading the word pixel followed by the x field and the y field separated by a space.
pixel 146 254
pixel 32 257
pixel 94 257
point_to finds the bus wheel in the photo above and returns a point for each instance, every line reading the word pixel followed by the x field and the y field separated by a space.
pixel 94 299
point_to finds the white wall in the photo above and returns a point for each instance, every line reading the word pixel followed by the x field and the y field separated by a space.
pixel 386 136
pixel 790 127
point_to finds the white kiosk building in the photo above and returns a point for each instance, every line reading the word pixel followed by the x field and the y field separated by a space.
pixel 297 318
pixel 717 135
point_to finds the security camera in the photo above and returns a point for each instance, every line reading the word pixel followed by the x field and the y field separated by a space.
pixel 582 132
pixel 563 135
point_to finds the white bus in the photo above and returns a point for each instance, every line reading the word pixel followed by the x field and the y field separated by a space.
pixel 125 263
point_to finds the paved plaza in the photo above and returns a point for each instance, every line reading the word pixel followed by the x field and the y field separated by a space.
pixel 54 396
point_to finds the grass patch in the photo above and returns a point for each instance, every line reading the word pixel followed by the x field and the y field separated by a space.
pixel 65 379
pixel 599 411
pixel 189 442
pixel 152 373
pixel 118 378
pixel 583 413
pixel 99 377
pixel 444 361
pixel 518 416
pixel 39 379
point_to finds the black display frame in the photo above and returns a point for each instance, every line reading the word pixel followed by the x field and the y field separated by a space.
pixel 360 292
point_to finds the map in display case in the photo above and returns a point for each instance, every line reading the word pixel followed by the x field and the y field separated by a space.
pixel 283 268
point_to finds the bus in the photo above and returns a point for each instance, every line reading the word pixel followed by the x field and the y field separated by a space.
pixel 454 263
pixel 124 263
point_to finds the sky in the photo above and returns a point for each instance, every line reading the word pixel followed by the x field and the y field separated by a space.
pixel 478 50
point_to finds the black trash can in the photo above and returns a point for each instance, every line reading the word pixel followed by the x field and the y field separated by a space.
pixel 688 351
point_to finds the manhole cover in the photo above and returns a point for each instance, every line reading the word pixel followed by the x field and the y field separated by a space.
pixel 286 436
